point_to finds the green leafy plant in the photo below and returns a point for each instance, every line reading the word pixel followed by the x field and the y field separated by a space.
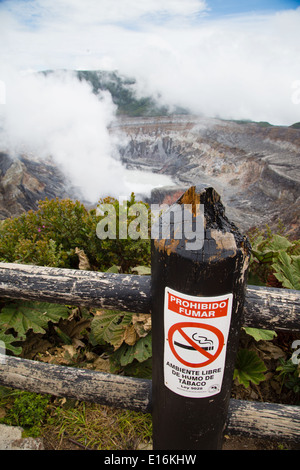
pixel 287 270
pixel 127 333
pixel 47 236
pixel 260 334
pixel 110 326
pixel 127 354
pixel 289 373
pixel 126 253
pixel 54 233
pixel 23 316
pixel 275 260
pixel 8 340
pixel 249 368
pixel 28 410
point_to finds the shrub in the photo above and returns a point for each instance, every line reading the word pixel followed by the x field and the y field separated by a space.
pixel 275 260
pixel 49 237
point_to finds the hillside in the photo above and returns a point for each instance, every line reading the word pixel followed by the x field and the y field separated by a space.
pixel 26 180
pixel 254 166
pixel 123 92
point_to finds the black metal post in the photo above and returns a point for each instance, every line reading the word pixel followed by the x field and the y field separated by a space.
pixel 197 303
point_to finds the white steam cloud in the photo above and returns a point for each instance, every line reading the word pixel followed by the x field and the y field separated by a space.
pixel 58 116
pixel 234 67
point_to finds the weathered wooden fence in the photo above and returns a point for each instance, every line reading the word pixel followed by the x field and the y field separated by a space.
pixel 264 307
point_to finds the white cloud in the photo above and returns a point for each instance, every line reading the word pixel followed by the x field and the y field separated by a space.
pixel 59 116
pixel 93 12
pixel 238 67
pixel 233 69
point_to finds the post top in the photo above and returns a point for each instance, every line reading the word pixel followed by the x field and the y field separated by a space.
pixel 204 220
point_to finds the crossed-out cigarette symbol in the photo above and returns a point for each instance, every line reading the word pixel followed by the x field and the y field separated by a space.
pixel 196 341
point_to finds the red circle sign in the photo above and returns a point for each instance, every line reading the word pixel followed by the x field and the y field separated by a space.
pixel 210 357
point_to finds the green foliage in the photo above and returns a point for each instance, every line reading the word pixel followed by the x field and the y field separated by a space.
pixel 260 334
pixel 249 368
pixel 287 270
pixel 275 260
pixel 289 372
pixel 47 236
pixel 29 410
pixel 8 340
pixel 23 316
pixel 124 252
pixel 110 326
pixel 141 351
pixel 128 334
pixel 50 235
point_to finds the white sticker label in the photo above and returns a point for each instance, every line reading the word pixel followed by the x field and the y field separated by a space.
pixel 196 332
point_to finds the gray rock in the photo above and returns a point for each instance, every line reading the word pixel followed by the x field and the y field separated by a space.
pixel 11 439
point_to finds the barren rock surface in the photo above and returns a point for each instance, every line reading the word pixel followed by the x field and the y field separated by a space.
pixel 255 168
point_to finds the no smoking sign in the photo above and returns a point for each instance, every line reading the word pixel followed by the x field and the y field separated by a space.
pixel 196 332
pixel 195 344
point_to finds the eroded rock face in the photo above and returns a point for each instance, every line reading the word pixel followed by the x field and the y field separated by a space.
pixel 255 169
pixel 24 181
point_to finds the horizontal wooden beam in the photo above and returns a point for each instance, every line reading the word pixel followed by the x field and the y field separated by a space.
pixel 248 418
pixel 263 420
pixel 125 292
pixel 265 307
pixel 273 309
pixel 81 384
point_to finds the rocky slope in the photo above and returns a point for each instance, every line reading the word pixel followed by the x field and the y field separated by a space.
pixel 254 167
pixel 26 180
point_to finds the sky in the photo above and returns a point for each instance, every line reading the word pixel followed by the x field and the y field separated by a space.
pixel 233 60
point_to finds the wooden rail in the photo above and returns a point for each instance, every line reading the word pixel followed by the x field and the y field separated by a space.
pixel 265 307
pixel 75 287
pixel 252 419
pixel 187 414
pixel 81 384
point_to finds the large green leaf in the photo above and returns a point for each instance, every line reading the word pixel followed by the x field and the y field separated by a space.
pixel 278 243
pixel 260 334
pixel 287 270
pixel 6 341
pixel 109 326
pixel 267 250
pixel 249 367
pixel 23 316
pixel 141 270
pixel 141 351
